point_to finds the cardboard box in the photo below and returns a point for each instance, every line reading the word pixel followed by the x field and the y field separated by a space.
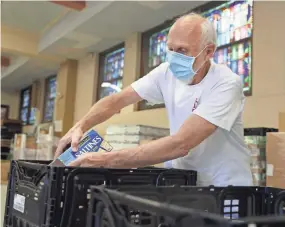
pixel 281 122
pixel 5 168
pixel 31 142
pixel 275 155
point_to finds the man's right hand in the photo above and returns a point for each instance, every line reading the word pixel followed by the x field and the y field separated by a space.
pixel 73 136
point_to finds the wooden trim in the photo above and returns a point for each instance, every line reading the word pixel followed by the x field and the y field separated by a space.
pixel 112 49
pixel 75 5
pixel 249 93
pixel 5 61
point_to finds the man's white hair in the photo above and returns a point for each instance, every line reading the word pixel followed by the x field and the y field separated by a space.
pixel 209 35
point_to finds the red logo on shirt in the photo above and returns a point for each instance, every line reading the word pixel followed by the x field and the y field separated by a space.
pixel 195 104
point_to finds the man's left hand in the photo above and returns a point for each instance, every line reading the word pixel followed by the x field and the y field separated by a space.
pixel 92 159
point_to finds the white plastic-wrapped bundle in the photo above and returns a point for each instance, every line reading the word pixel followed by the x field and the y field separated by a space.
pixel 120 146
pixel 127 136
pixel 30 154
pixel 45 142
pixel 256 145
pixel 137 130
pixel 132 139
pixel 19 146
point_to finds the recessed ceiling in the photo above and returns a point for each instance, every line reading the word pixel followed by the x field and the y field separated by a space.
pixel 102 31
pixel 122 18
pixel 32 16
pixel 27 74
pixel 115 23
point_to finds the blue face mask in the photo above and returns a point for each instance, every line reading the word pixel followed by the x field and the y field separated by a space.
pixel 182 65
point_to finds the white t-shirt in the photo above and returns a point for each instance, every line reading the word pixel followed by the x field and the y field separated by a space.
pixel 223 158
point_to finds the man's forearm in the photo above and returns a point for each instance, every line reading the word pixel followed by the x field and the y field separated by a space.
pixel 100 112
pixel 167 148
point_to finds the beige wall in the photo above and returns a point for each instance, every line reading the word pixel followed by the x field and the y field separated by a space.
pixel 11 99
pixel 66 93
pixel 268 97
pixel 87 78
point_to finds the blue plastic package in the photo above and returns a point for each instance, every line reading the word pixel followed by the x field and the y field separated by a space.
pixel 92 142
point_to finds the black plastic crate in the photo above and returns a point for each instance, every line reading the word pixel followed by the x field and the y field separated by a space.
pixel 59 196
pixel 113 208
pixel 229 201
pixel 279 204
pixel 258 131
pixel 275 203
pixel 232 203
pixel 261 221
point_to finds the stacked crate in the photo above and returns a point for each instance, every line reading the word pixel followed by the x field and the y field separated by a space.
pixel 127 136
pixel 255 139
pixel 256 145
pixel 41 195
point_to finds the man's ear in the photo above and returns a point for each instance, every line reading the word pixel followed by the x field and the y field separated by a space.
pixel 210 51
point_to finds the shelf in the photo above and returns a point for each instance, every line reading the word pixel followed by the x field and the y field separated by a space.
pixel 233 43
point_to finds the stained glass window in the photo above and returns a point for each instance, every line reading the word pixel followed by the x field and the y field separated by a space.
pixel 25 109
pixel 233 23
pixel 111 72
pixel 50 98
pixel 238 58
pixel 157 48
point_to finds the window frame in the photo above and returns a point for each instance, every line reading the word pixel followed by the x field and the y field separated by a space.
pixel 144 69
pixel 46 92
pixel 30 89
pixel 102 57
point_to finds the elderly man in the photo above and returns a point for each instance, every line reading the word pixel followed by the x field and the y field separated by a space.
pixel 204 102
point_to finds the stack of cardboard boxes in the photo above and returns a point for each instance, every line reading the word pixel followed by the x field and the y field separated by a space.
pixel 257 147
